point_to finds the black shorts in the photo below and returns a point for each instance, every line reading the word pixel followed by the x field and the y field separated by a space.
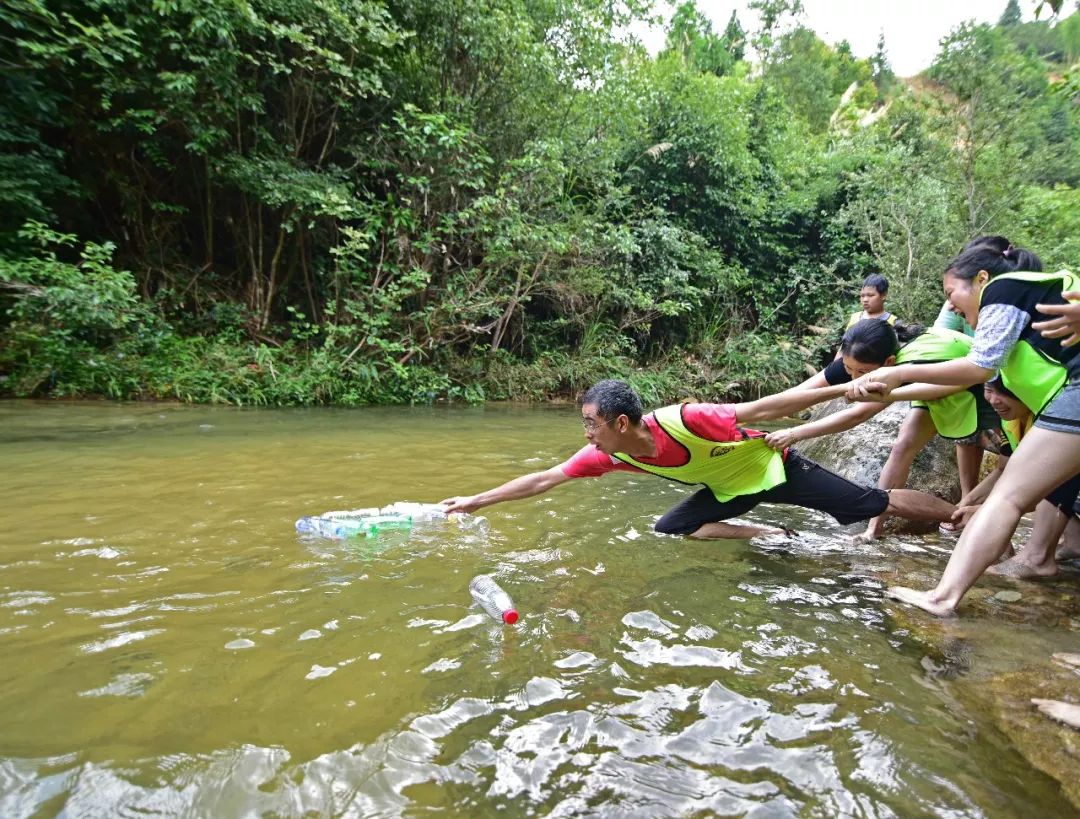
pixel 1064 496
pixel 808 484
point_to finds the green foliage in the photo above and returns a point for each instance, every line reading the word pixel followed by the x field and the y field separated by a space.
pixel 999 93
pixel 345 201
pixel 906 221
pixel 1049 221
pixel 68 323
pixel 1011 16
pixel 690 35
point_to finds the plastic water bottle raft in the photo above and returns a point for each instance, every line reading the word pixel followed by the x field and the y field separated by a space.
pixel 492 599
pixel 401 516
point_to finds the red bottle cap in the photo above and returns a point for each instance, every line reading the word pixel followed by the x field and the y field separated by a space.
pixel 510 616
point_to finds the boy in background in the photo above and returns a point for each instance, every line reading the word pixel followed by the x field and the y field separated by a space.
pixel 872 298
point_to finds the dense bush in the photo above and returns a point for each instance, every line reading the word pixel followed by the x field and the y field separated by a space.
pixel 343 201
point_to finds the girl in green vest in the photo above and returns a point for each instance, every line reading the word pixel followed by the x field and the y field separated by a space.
pixel 1049 525
pixel 951 412
pixel 1001 303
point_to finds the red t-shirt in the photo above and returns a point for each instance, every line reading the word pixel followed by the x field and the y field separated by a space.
pixel 713 422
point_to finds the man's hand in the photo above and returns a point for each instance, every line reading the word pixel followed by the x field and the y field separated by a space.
pixel 467 503
pixel 1067 322
pixel 781 439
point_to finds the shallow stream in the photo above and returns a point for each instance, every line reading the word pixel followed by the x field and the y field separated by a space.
pixel 171 646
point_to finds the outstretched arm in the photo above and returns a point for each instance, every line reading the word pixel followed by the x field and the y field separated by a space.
pixel 524 486
pixel 785 403
pixel 922 392
pixel 814 381
pixel 980 492
pixel 837 422
pixel 959 372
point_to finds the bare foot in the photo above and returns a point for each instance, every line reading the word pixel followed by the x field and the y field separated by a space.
pixel 1065 712
pixel 1016 568
pixel 920 599
pixel 1068 659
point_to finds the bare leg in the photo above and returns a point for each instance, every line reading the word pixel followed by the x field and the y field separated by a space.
pixel 968 463
pixel 711 531
pixel 1070 545
pixel 969 459
pixel 1036 559
pixel 1043 461
pixel 915 433
pixel 915 505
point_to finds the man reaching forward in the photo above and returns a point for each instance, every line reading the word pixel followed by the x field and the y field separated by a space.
pixel 705 444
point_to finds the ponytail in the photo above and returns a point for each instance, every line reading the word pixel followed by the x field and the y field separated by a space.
pixel 908 332
pixel 995 255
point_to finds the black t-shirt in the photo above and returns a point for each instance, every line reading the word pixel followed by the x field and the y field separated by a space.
pixel 835 373
pixel 1025 295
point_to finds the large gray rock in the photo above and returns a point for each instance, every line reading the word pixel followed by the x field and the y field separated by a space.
pixel 860 453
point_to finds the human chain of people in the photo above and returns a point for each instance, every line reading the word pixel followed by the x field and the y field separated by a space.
pixel 998 371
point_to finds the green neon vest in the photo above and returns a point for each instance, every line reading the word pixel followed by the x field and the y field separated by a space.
pixel 1030 374
pixel 858 316
pixel 956 415
pixel 728 468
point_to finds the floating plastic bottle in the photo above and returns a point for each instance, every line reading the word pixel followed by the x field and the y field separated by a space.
pixel 339 527
pixel 419 512
pixel 435 513
pixel 401 516
pixel 492 599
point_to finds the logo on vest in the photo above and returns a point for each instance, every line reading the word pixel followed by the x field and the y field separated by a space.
pixel 722 449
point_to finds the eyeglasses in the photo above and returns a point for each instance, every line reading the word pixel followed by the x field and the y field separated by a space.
pixel 591 424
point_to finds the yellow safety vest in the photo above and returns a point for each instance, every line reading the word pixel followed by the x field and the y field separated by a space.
pixel 1031 374
pixel 728 468
pixel 956 415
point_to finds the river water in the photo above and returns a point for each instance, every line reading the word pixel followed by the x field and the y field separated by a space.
pixel 171 646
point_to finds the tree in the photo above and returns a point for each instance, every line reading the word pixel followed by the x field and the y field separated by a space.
pixel 772 14
pixel 813 77
pixel 1011 16
pixel 882 73
pixel 734 38
pixel 903 214
pixel 994 87
pixel 690 34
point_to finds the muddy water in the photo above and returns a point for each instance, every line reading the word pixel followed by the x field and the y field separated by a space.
pixel 171 647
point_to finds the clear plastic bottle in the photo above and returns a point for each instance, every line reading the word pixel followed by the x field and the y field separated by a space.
pixel 378 523
pixel 329 527
pixel 341 526
pixel 400 516
pixel 419 512
pixel 427 514
pixel 492 599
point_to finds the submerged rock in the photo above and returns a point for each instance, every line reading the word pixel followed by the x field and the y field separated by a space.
pixel 995 629
pixel 1048 745
pixel 859 454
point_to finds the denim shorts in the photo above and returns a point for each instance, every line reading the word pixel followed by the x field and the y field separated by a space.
pixel 1063 414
